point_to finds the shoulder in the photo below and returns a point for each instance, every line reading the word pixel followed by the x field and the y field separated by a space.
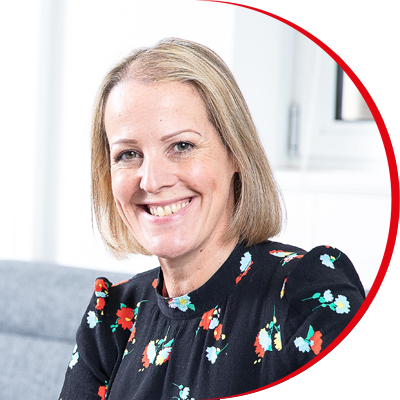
pixel 323 267
pixel 112 311
pixel 128 291
pixel 270 258
pixel 297 274
pixel 321 292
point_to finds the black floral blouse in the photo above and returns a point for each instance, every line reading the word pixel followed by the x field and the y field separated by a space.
pixel 266 312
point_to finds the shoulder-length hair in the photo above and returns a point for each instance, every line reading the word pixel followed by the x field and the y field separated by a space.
pixel 257 214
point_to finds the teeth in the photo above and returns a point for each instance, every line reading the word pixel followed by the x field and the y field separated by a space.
pixel 167 210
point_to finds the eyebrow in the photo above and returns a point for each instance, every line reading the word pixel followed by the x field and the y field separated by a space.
pixel 124 141
pixel 170 135
pixel 163 138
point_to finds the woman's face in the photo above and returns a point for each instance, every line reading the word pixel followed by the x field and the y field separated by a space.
pixel 172 178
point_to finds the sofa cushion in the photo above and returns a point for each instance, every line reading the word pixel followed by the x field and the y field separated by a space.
pixel 32 367
pixel 41 308
pixel 46 300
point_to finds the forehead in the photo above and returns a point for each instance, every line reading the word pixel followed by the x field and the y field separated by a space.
pixel 139 101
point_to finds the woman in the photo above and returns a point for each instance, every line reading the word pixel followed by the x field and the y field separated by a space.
pixel 179 172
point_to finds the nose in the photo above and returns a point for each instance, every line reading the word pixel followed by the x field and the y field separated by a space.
pixel 156 174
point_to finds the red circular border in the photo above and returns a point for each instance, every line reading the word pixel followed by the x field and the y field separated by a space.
pixel 394 183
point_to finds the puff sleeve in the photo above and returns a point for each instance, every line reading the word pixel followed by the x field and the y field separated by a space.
pixel 97 350
pixel 322 292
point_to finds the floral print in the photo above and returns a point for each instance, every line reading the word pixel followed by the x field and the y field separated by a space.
pixel 101 290
pixel 263 341
pixel 102 392
pixel 245 266
pixel 283 288
pixel 313 342
pixel 341 305
pixel 183 392
pixel 126 317
pixel 328 260
pixel 219 340
pixel 92 319
pixel 74 358
pixel 210 320
pixel 157 352
pixel 213 353
pixel 182 302
pixel 286 255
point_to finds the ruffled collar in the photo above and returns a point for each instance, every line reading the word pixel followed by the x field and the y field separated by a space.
pixel 209 295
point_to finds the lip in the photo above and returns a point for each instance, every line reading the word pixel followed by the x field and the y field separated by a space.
pixel 166 218
pixel 165 203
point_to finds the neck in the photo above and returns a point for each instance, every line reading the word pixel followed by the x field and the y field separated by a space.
pixel 188 272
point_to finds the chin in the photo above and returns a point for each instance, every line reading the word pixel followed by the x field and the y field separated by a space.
pixel 167 250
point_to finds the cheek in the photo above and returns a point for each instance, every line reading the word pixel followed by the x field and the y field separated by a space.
pixel 208 179
pixel 123 186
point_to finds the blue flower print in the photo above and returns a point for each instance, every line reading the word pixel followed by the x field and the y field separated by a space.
pixel 328 296
pixel 342 305
pixel 245 266
pixel 302 345
pixel 328 260
pixel 183 392
pixel 182 302
pixel 313 342
pixel 245 261
pixel 213 353
pixel 92 319
pixel 74 358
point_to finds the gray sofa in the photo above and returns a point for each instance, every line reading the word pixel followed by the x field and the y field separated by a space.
pixel 41 306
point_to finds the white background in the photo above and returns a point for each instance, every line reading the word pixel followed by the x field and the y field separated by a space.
pixel 365 35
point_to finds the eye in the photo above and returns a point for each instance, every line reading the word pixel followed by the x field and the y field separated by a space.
pixel 129 155
pixel 126 155
pixel 182 147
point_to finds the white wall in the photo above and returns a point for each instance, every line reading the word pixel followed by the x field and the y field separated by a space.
pixel 45 163
pixel 20 35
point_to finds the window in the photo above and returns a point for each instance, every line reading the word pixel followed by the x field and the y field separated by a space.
pixel 350 105
pixel 335 127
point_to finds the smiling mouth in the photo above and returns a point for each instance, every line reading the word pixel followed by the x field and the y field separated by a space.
pixel 169 209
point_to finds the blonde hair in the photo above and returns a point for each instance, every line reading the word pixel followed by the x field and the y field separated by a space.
pixel 257 215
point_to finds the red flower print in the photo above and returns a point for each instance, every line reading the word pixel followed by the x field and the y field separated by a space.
pixel 100 286
pixel 154 283
pixel 125 316
pixel 102 392
pixel 239 278
pixel 218 331
pixel 316 338
pixel 100 303
pixel 132 334
pixel 145 360
pixel 206 319
pixel 149 354
pixel 259 349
